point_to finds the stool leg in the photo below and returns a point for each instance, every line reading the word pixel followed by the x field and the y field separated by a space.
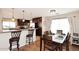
pixel 32 39
pixel 29 40
pixel 18 46
pixel 10 48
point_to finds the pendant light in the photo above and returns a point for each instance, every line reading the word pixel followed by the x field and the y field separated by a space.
pixel 13 19
pixel 23 16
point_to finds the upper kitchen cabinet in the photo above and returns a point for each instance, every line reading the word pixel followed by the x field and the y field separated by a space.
pixel 20 22
pixel 23 24
pixel 37 20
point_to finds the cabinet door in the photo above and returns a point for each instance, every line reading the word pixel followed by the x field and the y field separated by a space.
pixel 37 20
pixel 19 22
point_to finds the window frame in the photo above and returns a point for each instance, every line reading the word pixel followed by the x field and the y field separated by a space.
pixel 60 19
pixel 8 20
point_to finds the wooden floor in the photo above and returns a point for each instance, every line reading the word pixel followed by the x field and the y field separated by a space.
pixel 36 47
pixel 33 46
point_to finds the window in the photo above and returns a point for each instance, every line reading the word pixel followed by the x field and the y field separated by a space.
pixel 60 24
pixel 8 24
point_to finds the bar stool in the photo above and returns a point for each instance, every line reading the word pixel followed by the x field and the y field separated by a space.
pixel 30 36
pixel 15 36
pixel 66 43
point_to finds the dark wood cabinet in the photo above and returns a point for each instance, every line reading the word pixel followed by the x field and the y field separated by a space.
pixel 37 20
pixel 21 23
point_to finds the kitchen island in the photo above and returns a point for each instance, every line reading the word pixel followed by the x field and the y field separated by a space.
pixel 5 35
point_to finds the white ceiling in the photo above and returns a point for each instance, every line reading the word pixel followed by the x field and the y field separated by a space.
pixel 34 12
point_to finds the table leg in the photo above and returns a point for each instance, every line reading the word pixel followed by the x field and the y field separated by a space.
pixel 40 44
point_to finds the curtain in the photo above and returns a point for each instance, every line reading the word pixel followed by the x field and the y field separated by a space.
pixel 71 23
pixel 48 24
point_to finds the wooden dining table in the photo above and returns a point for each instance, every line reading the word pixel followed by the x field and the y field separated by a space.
pixel 59 39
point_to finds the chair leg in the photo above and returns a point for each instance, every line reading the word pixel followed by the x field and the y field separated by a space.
pixel 44 47
pixel 67 46
pixel 60 47
pixel 56 48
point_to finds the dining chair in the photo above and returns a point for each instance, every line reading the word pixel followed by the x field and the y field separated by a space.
pixel 75 38
pixel 48 43
pixel 14 40
pixel 75 34
pixel 66 43
pixel 29 37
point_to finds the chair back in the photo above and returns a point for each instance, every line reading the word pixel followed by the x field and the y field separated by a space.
pixel 15 34
pixel 59 31
pixel 46 33
pixel 75 34
pixel 47 40
pixel 48 43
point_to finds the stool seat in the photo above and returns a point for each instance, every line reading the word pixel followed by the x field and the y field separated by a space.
pixel 29 35
pixel 13 39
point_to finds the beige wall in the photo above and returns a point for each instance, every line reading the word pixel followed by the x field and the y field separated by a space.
pixel 0 24
pixel 7 13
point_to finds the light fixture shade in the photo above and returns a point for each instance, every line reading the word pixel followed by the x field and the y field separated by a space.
pixel 23 16
pixel 23 20
pixel 13 19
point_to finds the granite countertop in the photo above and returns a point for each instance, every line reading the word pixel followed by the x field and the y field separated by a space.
pixel 5 31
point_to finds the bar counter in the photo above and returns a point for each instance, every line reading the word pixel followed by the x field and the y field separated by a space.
pixel 5 31
pixel 5 35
